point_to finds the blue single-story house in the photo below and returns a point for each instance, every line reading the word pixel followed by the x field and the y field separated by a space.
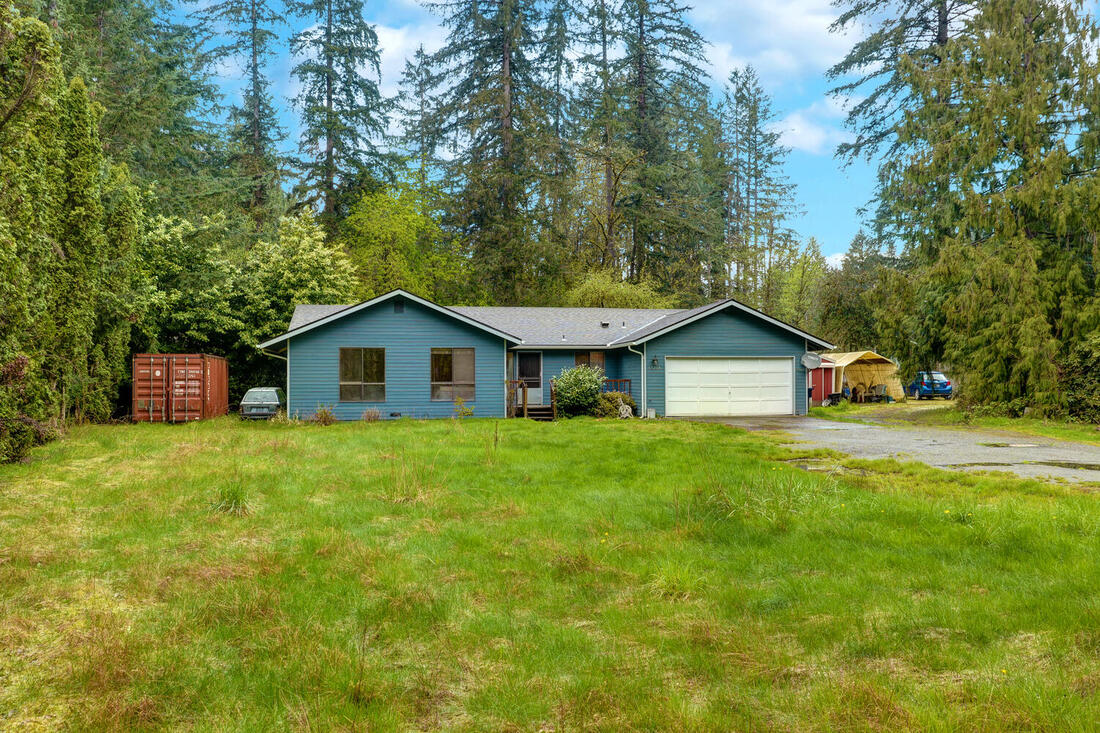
pixel 403 355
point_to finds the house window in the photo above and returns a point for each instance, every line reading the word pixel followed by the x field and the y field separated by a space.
pixel 452 374
pixel 589 358
pixel 362 375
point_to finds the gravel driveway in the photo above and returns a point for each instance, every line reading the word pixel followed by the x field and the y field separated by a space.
pixel 958 449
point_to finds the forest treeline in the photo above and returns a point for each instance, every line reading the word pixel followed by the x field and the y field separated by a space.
pixel 552 152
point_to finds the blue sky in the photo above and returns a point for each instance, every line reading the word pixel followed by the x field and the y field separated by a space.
pixel 788 42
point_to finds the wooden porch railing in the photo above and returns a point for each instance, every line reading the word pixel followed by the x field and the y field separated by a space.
pixel 517 398
pixel 616 385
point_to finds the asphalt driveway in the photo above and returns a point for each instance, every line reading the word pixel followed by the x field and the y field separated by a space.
pixel 964 450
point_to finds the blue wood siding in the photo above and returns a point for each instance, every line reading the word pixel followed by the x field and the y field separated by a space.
pixel 408 338
pixel 553 363
pixel 726 333
pixel 618 363
pixel 629 366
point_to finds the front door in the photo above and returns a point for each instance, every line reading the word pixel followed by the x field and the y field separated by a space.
pixel 530 372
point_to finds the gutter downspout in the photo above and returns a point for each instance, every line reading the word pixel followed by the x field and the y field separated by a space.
pixel 642 355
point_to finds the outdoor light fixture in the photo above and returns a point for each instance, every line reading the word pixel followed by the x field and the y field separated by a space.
pixel 653 362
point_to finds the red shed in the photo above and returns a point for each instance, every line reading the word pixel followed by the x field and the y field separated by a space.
pixel 821 379
pixel 179 387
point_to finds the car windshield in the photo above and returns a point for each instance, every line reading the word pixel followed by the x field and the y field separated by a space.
pixel 261 395
pixel 938 376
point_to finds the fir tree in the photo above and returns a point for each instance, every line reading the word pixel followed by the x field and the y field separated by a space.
pixel 759 199
pixel 341 109
pixel 1004 279
pixel 414 107
pixel 598 103
pixel 662 82
pixel 247 29
pixel 554 144
pixel 488 113
pixel 150 78
pixel 870 72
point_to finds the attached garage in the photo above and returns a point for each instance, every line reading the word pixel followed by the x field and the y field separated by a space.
pixel 724 359
pixel 729 386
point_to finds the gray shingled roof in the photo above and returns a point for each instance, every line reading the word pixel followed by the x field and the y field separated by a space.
pixel 304 314
pixel 565 326
pixel 670 319
pixel 558 326
pixel 536 326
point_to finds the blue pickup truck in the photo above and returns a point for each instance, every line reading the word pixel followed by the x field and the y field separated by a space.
pixel 927 385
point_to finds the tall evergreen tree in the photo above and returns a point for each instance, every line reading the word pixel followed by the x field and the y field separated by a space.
pixel 488 113
pixel 152 82
pixel 247 31
pixel 598 103
pixel 871 70
pixel 342 111
pixel 759 199
pixel 662 80
pixel 554 145
pixel 1008 284
pixel 30 87
pixel 418 140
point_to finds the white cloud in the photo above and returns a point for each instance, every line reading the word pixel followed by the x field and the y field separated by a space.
pixel 399 43
pixel 783 39
pixel 835 260
pixel 816 129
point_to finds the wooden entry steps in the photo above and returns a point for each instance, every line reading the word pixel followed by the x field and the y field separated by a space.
pixel 542 413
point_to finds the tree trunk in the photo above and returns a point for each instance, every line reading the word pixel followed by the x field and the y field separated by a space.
pixel 330 164
pixel 611 255
pixel 257 143
pixel 941 23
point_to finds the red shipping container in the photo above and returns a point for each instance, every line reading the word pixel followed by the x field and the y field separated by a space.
pixel 179 387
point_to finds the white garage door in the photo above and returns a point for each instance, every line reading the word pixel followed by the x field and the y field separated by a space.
pixel 729 386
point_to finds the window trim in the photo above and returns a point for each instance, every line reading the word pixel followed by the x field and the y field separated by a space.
pixel 340 383
pixel 432 383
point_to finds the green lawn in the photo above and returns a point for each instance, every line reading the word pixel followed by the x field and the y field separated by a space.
pixel 514 575
pixel 947 414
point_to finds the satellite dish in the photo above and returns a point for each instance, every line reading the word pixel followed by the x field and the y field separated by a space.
pixel 810 360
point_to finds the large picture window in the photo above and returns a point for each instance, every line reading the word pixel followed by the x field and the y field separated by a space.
pixel 362 375
pixel 452 374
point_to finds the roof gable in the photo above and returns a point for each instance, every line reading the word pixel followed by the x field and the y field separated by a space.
pixel 323 315
pixel 678 319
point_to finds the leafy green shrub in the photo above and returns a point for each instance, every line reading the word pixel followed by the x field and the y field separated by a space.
pixel 323 416
pixel 578 389
pixel 1081 381
pixel 607 404
pixel 23 403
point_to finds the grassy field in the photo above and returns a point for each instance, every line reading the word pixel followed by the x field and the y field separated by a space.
pixel 527 576
pixel 947 414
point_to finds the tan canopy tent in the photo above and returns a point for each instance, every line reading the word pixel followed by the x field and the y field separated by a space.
pixel 866 372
